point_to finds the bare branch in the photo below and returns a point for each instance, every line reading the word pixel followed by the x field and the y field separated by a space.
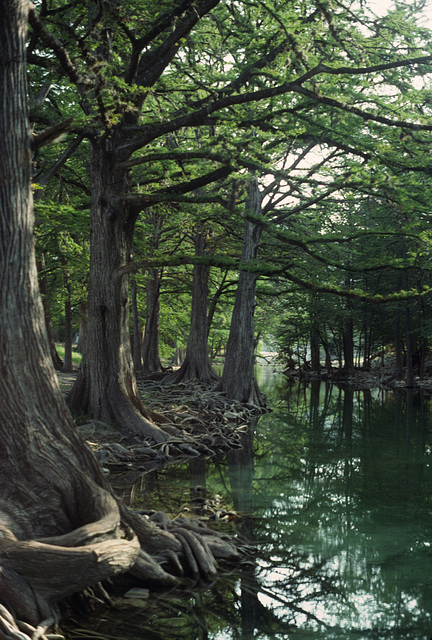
pixel 51 134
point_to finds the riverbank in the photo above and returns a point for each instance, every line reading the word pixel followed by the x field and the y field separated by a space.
pixel 379 378
pixel 209 426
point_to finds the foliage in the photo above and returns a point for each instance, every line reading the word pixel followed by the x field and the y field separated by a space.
pixel 327 104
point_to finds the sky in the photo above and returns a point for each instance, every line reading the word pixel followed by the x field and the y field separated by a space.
pixel 380 7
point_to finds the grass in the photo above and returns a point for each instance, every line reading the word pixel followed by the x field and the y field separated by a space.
pixel 76 357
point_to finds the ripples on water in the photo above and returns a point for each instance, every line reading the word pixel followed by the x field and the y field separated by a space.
pixel 335 492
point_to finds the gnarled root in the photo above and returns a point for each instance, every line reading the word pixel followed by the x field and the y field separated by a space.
pixel 184 545
pixel 147 570
pixel 34 575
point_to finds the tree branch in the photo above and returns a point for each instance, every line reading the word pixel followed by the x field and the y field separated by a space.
pixel 49 39
pixel 260 269
pixel 47 175
pixel 174 155
pixel 142 201
pixel 152 65
pixel 196 117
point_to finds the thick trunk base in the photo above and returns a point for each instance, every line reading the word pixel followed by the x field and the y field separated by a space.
pixel 121 408
pixel 192 370
pixel 36 574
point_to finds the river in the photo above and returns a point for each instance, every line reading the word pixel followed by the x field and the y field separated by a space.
pixel 334 490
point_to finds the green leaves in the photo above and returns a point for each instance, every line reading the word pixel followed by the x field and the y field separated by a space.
pixel 328 106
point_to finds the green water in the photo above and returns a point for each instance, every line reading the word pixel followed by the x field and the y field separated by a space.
pixel 334 489
pixel 353 520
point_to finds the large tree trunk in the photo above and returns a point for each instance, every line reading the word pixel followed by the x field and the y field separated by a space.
pixel 197 362
pixel 61 529
pixel 238 382
pixel 44 466
pixel 106 386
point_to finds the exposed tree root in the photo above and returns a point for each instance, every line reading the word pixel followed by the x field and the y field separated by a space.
pixel 120 406
pixel 105 537
pixel 157 551
pixel 34 575
pixel 191 371
pixel 196 408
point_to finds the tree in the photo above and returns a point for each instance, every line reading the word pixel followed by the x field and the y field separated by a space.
pixel 61 527
pixel 197 363
pixel 151 362
pixel 142 81
pixel 106 386
pixel 238 381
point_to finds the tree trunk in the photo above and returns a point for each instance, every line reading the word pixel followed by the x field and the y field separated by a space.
pixel 409 374
pixel 106 386
pixel 179 356
pixel 215 299
pixel 367 344
pixel 82 327
pixel 57 361
pixel 348 344
pixel 50 483
pixel 238 382
pixel 136 329
pixel 67 364
pixel 61 528
pixel 150 352
pixel 398 346
pixel 197 363
pixel 325 344
pixel 315 341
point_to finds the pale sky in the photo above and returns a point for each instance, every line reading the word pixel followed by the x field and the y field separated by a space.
pixel 381 7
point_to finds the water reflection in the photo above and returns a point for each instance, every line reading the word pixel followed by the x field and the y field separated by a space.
pixel 359 512
pixel 334 489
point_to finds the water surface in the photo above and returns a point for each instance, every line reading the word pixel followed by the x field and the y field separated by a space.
pixel 334 489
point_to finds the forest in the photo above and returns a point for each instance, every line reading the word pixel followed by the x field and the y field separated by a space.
pixel 187 186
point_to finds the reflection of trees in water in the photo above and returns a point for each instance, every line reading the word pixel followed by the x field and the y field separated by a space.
pixel 364 501
pixel 364 477
pixel 272 605
pixel 334 491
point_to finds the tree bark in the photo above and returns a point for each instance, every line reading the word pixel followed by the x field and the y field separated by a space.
pixel 150 351
pixel 106 386
pixel 196 364
pixel 45 468
pixel 238 382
